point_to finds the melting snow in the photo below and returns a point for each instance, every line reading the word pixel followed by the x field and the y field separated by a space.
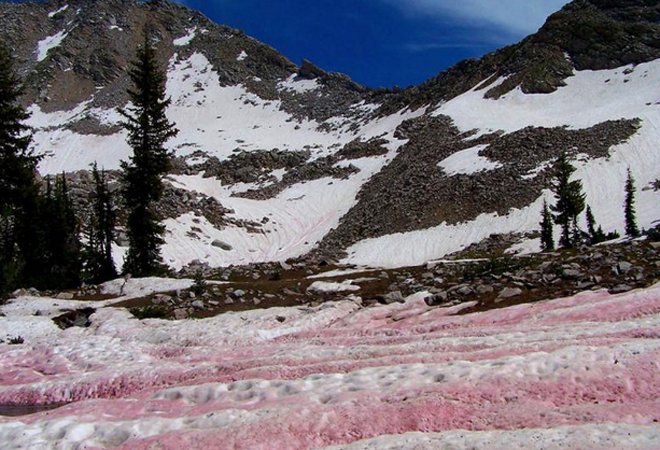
pixel 54 13
pixel 49 43
pixel 324 287
pixel 297 84
pixel 187 39
pixel 580 372
pixel 468 162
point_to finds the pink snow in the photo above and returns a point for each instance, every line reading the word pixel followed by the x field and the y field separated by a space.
pixel 339 374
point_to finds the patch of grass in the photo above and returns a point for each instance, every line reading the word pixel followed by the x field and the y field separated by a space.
pixel 494 266
pixel 200 285
pixel 149 312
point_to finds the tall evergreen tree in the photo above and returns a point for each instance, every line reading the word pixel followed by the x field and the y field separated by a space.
pixel 148 131
pixel 632 230
pixel 19 192
pixel 100 266
pixel 570 201
pixel 547 232
pixel 63 248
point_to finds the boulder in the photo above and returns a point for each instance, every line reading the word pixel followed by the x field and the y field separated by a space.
pixel 222 245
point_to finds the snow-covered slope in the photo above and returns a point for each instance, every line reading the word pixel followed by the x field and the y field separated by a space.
pixel 590 98
pixel 233 96
pixel 410 376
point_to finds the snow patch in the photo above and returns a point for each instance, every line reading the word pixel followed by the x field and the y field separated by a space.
pixel 187 39
pixel 49 43
pixel 242 56
pixel 54 13
pixel 468 162
pixel 299 85
pixel 326 287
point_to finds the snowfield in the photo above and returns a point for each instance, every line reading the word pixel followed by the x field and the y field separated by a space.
pixel 221 119
pixel 575 373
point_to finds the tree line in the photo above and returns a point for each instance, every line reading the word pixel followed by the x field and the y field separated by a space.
pixel 570 203
pixel 43 244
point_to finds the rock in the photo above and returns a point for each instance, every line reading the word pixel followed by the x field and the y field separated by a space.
pixel 509 293
pixel 437 299
pixel 222 245
pixel 161 299
pixel 624 267
pixel 428 276
pixel 180 314
pixel 229 301
pixel 464 290
pixel 394 297
pixel 571 274
pixel 64 296
pixel 485 289
pixel 198 304
pixel 238 293
pixel 284 266
pixel 620 289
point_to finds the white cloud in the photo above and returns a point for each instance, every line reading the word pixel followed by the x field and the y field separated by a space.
pixel 515 17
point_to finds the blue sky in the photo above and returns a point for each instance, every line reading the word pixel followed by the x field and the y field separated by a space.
pixel 382 42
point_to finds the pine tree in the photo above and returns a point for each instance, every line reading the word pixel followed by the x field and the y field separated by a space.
pixel 148 131
pixel 591 224
pixel 632 230
pixel 99 265
pixel 63 248
pixel 19 192
pixel 570 201
pixel 596 233
pixel 547 232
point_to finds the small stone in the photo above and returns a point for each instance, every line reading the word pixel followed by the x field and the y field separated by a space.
pixel 437 299
pixel 571 274
pixel 238 293
pixel 620 289
pixel 198 304
pixel 624 267
pixel 485 289
pixel 64 296
pixel 161 299
pixel 464 290
pixel 394 297
pixel 509 293
pixel 180 314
